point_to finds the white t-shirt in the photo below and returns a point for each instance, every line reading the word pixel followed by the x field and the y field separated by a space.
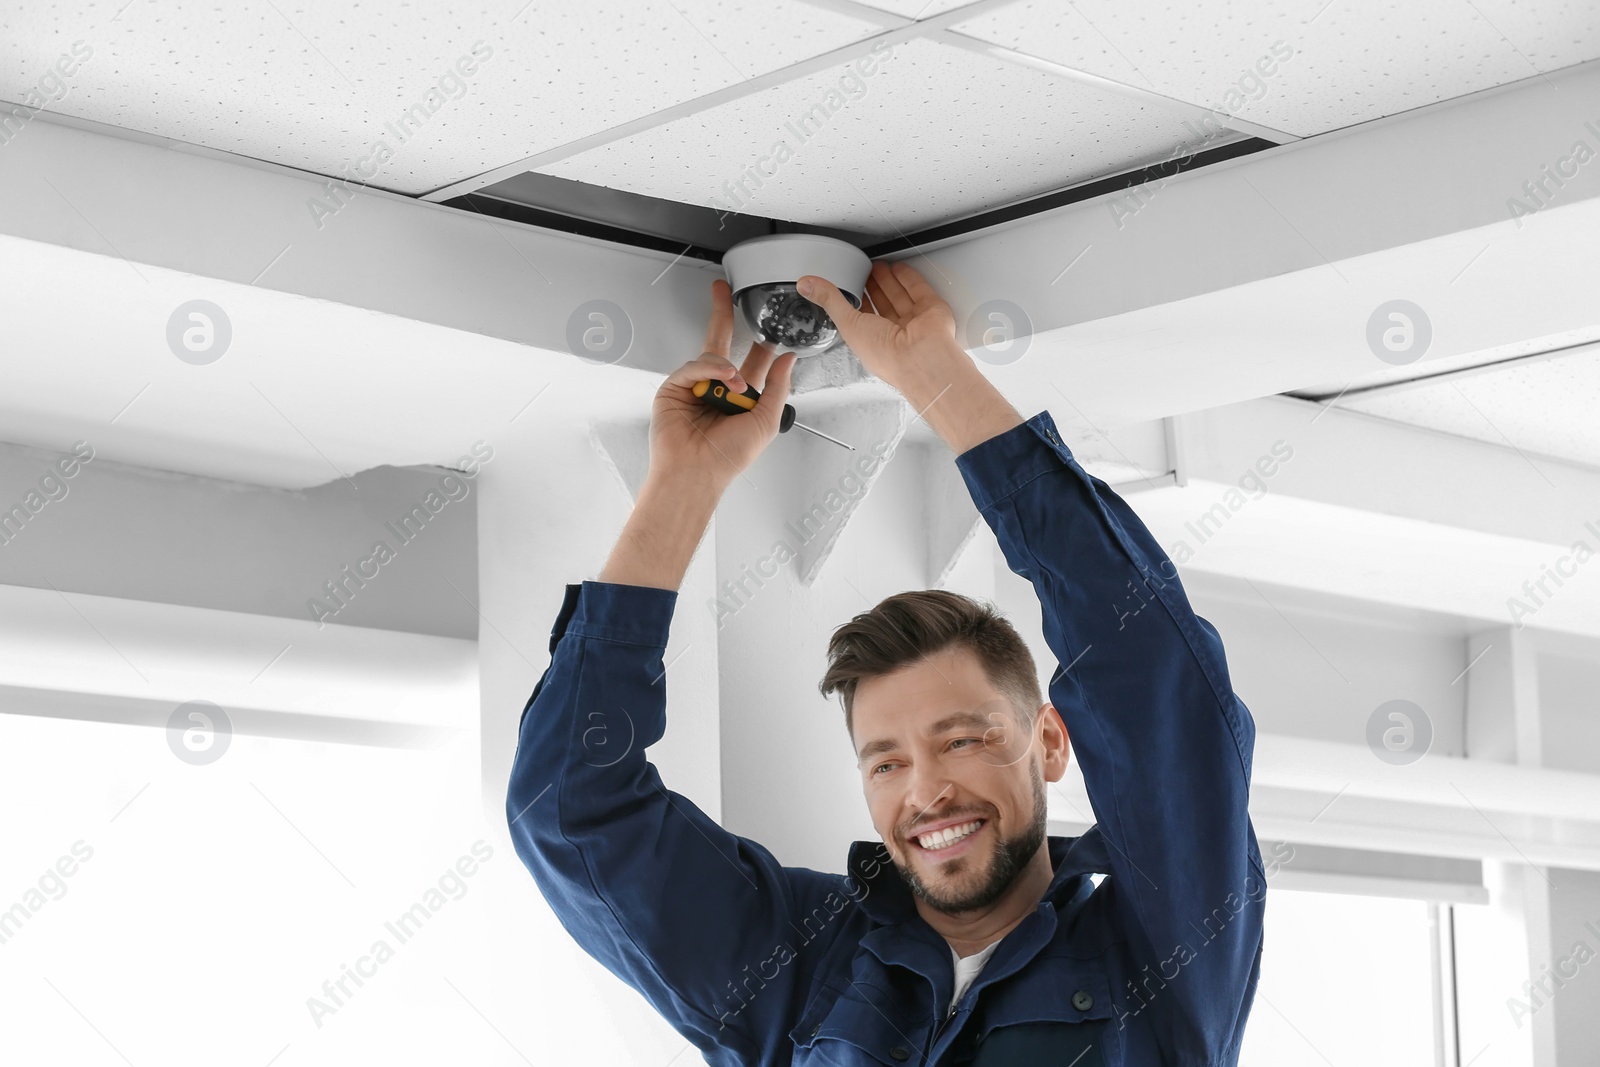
pixel 967 969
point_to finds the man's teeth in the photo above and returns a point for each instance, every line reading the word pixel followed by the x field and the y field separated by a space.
pixel 948 836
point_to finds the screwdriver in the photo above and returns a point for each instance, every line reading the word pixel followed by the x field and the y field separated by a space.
pixel 719 396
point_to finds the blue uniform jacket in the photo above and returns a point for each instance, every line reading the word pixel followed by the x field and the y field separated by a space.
pixel 758 963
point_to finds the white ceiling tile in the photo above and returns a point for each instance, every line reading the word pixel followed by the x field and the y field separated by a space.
pixel 1542 407
pixel 935 133
pixel 315 86
pixel 1056 32
pixel 915 9
pixel 1345 63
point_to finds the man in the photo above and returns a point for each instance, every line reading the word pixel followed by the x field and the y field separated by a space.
pixel 967 936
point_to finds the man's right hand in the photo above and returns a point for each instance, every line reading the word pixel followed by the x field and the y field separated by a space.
pixel 908 339
pixel 906 332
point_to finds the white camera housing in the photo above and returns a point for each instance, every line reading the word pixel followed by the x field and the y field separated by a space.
pixel 763 271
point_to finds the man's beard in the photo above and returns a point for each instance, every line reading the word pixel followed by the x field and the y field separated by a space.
pixel 1009 859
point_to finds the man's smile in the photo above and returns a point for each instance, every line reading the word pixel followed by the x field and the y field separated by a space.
pixel 949 841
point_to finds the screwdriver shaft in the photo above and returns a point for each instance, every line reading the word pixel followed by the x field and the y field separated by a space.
pixel 825 437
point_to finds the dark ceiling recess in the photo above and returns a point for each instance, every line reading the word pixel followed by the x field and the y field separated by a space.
pixel 705 233
pixel 1088 190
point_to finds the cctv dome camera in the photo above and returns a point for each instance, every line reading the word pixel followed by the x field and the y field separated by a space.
pixel 763 272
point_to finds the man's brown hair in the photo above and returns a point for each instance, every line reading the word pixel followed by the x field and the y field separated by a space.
pixel 910 626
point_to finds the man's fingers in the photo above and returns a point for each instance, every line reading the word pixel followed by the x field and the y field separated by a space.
pixel 702 369
pixel 776 392
pixel 893 287
pixel 755 366
pixel 827 296
pixel 880 302
pixel 916 286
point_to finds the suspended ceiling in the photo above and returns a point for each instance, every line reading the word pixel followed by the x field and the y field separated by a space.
pixel 1542 407
pixel 643 114
pixel 1000 101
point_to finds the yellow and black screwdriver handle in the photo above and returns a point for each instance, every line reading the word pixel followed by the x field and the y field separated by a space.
pixel 719 396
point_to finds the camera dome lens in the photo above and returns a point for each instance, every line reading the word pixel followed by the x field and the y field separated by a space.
pixel 787 321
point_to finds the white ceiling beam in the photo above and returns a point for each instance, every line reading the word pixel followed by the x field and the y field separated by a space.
pixel 1353 460
pixel 1504 715
pixel 266 227
pixel 1427 375
pixel 1281 542
pixel 76 655
pixel 1328 793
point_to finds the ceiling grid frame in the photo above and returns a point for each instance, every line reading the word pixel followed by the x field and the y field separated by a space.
pixel 935 29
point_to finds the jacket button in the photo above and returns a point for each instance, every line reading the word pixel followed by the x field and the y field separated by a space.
pixel 1082 1001
pixel 815 1030
pixel 900 1052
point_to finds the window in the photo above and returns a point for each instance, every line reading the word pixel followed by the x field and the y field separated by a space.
pixel 1344 979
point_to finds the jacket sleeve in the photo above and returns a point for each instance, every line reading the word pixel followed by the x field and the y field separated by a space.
pixel 705 924
pixel 1163 741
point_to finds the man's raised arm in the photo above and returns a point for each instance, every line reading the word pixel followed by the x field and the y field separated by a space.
pixel 1142 684
pixel 701 921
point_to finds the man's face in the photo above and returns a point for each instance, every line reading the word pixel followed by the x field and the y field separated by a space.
pixel 958 757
